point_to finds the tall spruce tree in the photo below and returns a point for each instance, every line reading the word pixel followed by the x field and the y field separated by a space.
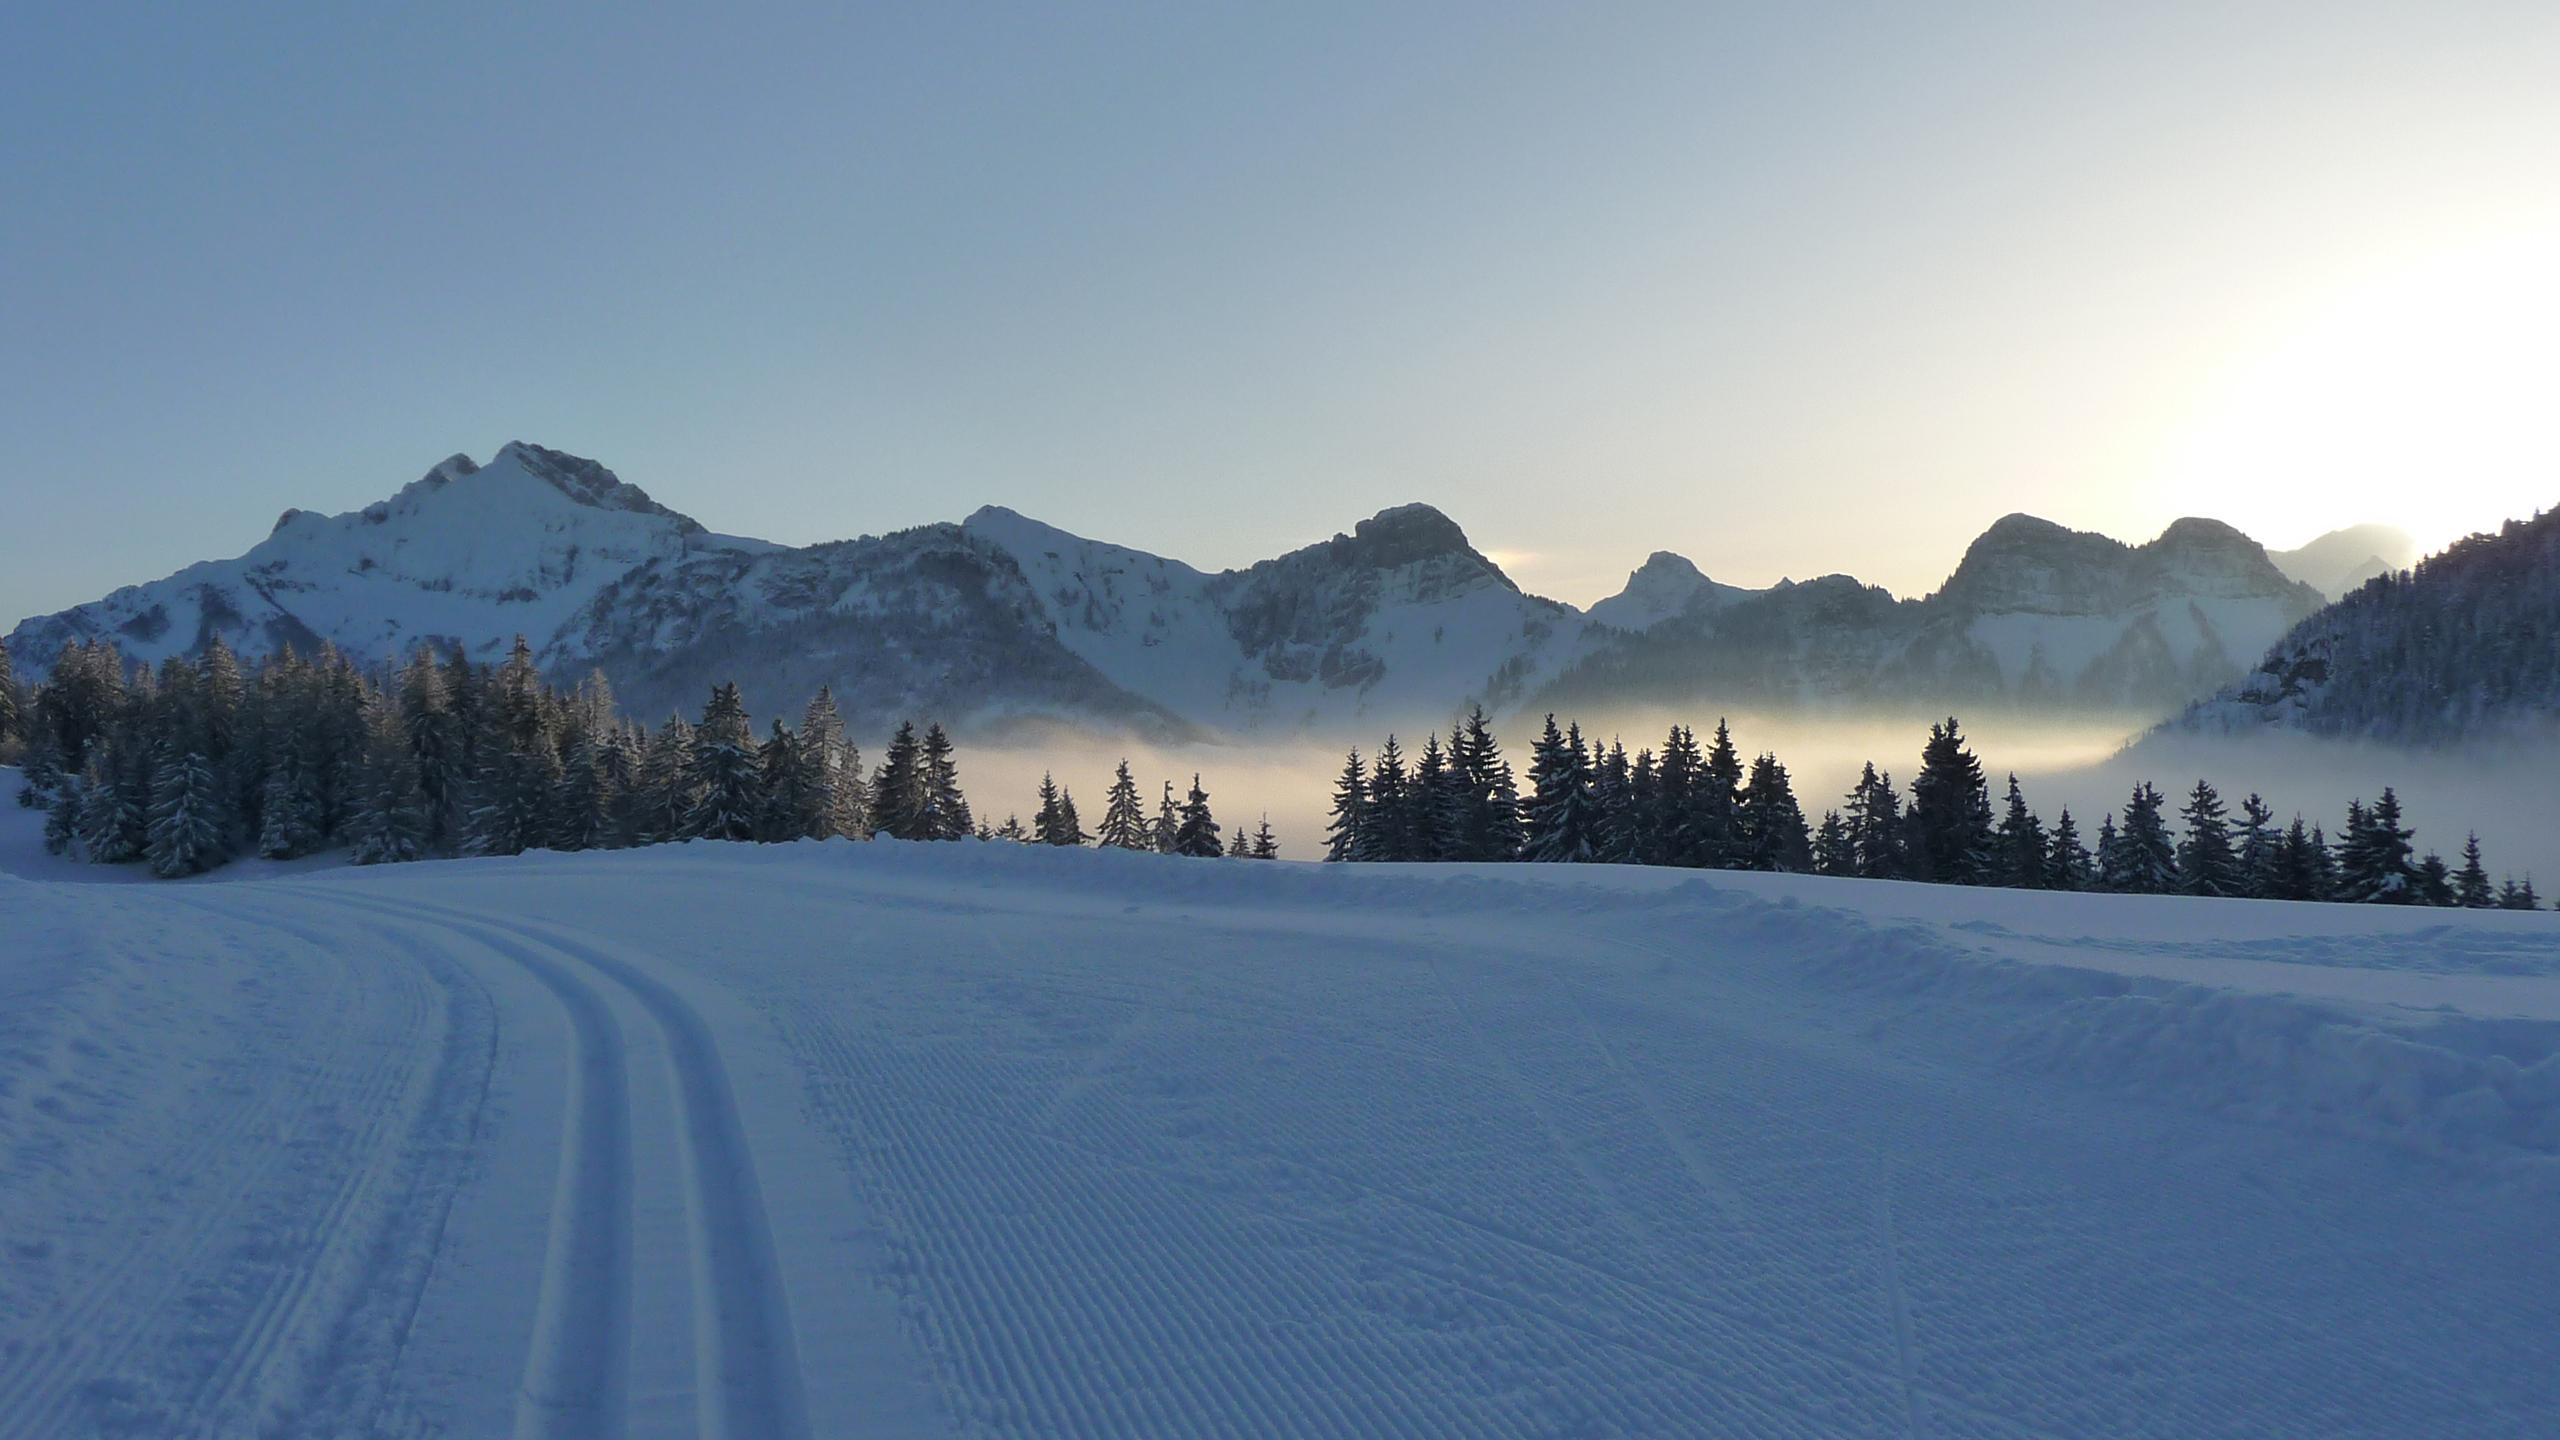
pixel 2025 856
pixel 899 808
pixel 1951 811
pixel 2207 864
pixel 793 800
pixel 1386 828
pixel 2146 855
pixel 2067 861
pixel 1350 807
pixel 728 771
pixel 185 832
pixel 391 822
pixel 2471 883
pixel 1124 819
pixel 1168 827
pixel 1769 828
pixel 946 809
pixel 1266 846
pixel 1559 819
pixel 841 803
pixel 1833 852
pixel 1198 833
pixel 2256 841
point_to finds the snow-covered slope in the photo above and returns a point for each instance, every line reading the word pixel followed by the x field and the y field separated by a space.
pixel 466 555
pixel 1398 623
pixel 996 1141
pixel 2464 647
pixel 2034 616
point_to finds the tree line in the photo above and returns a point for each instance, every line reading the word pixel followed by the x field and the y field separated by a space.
pixel 184 766
pixel 1703 807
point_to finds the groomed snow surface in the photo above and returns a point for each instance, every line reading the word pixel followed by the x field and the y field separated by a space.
pixel 891 1140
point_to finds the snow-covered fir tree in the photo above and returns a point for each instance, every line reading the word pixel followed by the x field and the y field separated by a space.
pixel 1168 827
pixel 185 832
pixel 946 814
pixel 2207 863
pixel 728 771
pixel 1559 820
pixel 1266 846
pixel 2145 859
pixel 1350 810
pixel 1197 834
pixel 1124 818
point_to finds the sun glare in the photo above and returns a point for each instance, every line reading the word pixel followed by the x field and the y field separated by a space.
pixel 2424 397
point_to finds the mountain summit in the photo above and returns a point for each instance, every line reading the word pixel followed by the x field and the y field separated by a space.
pixel 1002 619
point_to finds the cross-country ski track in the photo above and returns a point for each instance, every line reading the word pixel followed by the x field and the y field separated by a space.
pixel 837 1140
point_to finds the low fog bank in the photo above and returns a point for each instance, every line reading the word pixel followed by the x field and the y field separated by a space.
pixel 2508 793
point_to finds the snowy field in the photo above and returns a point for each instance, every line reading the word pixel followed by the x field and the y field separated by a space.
pixel 889 1140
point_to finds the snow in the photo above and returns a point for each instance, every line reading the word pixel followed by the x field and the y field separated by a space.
pixel 837 1139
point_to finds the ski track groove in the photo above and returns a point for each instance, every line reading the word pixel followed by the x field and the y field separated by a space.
pixel 747 1381
pixel 249 1165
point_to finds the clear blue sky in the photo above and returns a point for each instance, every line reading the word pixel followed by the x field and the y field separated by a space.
pixel 1786 288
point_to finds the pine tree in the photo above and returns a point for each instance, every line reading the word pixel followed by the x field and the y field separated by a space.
pixel 1613 798
pixel 2259 849
pixel 2147 858
pixel 841 802
pixel 1559 819
pixel 1198 833
pixel 2110 853
pixel 1386 827
pixel 435 739
pixel 1874 818
pixel 391 822
pixel 1011 830
pixel 1434 819
pixel 1770 832
pixel 1833 851
pixel 728 773
pixel 2206 863
pixel 946 814
pixel 111 826
pixel 1266 846
pixel 12 708
pixel 662 794
pixel 2471 883
pixel 1350 804
pixel 185 833
pixel 1168 833
pixel 2376 866
pixel 794 799
pixel 898 804
pixel 1056 822
pixel 2297 870
pixel 1239 848
pixel 1669 836
pixel 1951 811
pixel 2515 896
pixel 1124 820
pixel 586 807
pixel 2067 861
pixel 2435 881
pixel 2026 860
pixel 1715 806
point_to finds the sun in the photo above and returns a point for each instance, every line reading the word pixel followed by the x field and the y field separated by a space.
pixel 2426 395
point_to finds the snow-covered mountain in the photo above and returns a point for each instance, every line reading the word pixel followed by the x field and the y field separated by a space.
pixel 1001 619
pixel 2344 559
pixel 2464 646
pixel 2034 616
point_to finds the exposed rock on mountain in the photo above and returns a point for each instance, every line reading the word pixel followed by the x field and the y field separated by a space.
pixel 2464 646
pixel 1002 619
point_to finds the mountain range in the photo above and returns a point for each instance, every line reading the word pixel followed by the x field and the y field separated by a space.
pixel 2465 646
pixel 1000 619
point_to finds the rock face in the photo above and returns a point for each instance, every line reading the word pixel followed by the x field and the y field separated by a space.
pixel 2034 616
pixel 2465 646
pixel 1001 619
